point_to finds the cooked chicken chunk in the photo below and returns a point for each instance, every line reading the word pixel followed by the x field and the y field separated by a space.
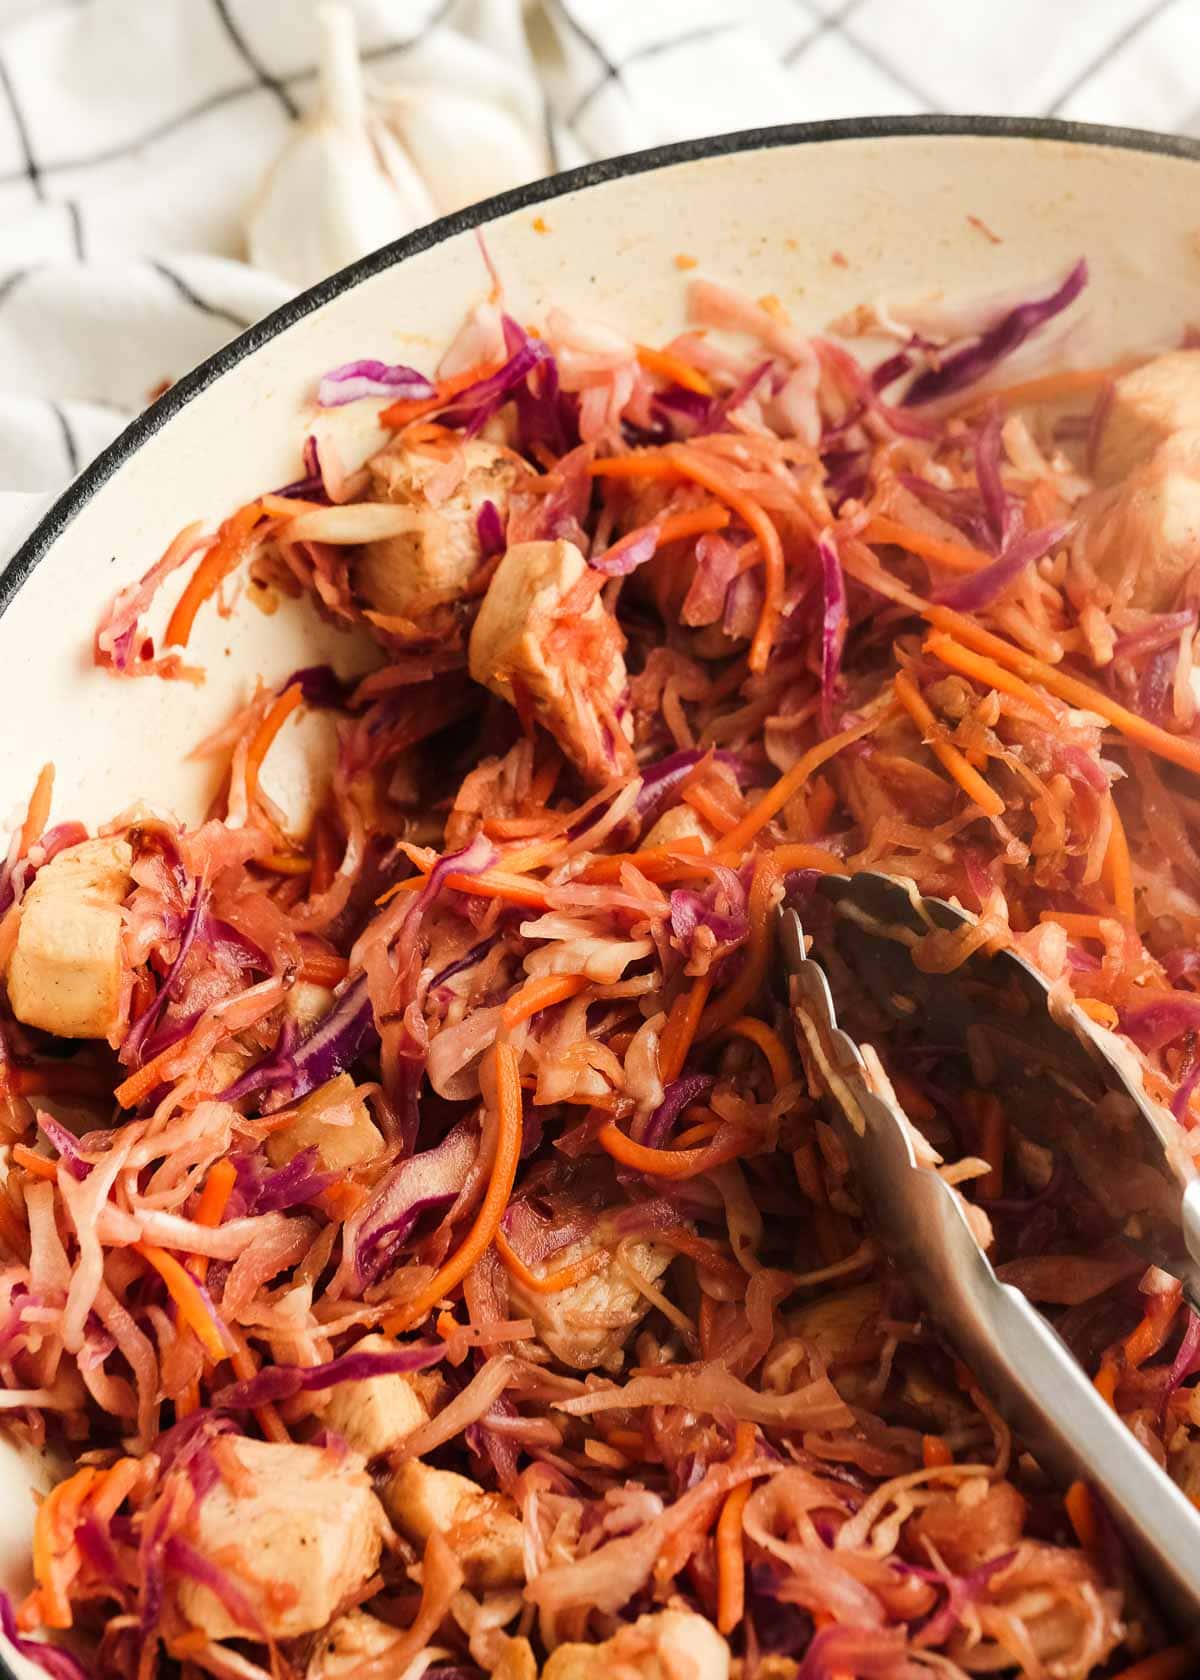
pixel 516 1662
pixel 681 822
pixel 1146 533
pixel 835 1326
pixel 482 1529
pixel 531 644
pixel 587 1325
pixel 378 1412
pixel 663 1646
pixel 436 556
pixel 66 968
pixel 333 1119
pixel 298 1541
pixel 348 1643
pixel 1148 406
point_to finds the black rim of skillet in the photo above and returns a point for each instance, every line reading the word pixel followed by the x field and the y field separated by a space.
pixel 154 418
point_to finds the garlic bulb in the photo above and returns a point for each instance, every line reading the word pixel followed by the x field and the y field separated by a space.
pixel 465 148
pixel 342 185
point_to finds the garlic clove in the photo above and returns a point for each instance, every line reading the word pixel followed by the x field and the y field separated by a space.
pixel 465 148
pixel 342 186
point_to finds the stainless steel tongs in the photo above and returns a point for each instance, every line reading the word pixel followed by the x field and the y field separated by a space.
pixel 996 1009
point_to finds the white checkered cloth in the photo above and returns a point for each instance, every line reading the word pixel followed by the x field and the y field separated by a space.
pixel 133 132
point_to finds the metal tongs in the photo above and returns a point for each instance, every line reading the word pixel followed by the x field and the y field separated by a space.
pixel 997 1009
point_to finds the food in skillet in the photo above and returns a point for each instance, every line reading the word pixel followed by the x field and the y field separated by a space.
pixel 419 1230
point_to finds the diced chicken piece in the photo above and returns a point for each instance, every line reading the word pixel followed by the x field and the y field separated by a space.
pixel 440 550
pixel 482 1529
pixel 681 822
pixel 1148 406
pixel 666 1645
pixel 516 1662
pixel 530 645
pixel 348 1643
pixel 587 1325
pixel 298 1541
pixel 836 1325
pixel 602 960
pixel 66 968
pixel 334 1120
pixel 1147 532
pixel 377 1412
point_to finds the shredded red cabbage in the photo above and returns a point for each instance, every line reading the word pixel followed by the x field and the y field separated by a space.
pixel 981 588
pixel 833 624
pixel 369 378
pixel 56 1662
pixel 489 528
pixel 429 1180
pixel 280 1382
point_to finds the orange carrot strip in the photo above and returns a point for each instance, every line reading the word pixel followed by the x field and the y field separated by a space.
pixel 699 1133
pixel 37 1165
pixel 245 1366
pixel 665 1163
pixel 1050 387
pixel 779 1057
pixel 1078 925
pixel 38 814
pixel 184 1291
pixel 656 863
pixel 680 1030
pixel 988 1115
pixel 943 749
pixel 731 1561
pixel 1172 1664
pixel 512 889
pixel 400 413
pixel 233 539
pixel 342 1199
pixel 706 1254
pixel 935 1454
pixel 670 366
pixel 320 967
pixel 563 1278
pixel 1105 1382
pixel 1175 748
pixel 1148 1337
pixel 509 1129
pixel 1116 871
pixel 270 726
pixel 777 796
pixel 954 557
pixel 214 1198
pixel 55 1558
pixel 543 991
pixel 986 671
pixel 706 805
pixel 1082 1515
pixel 693 522
pixel 285 863
pixel 1097 1010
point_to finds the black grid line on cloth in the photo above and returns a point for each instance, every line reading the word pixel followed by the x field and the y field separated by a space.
pixel 75 218
pixel 833 21
pixel 262 75
pixel 186 292
pixel 1130 32
pixel 202 108
pixel 70 447
pixel 31 172
pixel 15 278
pixel 614 72
pixel 887 68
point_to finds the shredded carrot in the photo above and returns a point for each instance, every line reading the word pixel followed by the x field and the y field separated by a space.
pixel 705 804
pixel 694 522
pixel 935 1454
pixel 245 1366
pixel 1172 1664
pixel 188 1644
pixel 56 1560
pixel 39 1166
pixel 680 1030
pixel 706 1254
pixel 184 1291
pixel 540 992
pixel 342 1199
pixel 943 749
pixel 1078 925
pixel 509 1129
pixel 679 461
pixel 401 413
pixel 1082 1515
pixel 1177 749
pixel 668 365
pixel 214 1198
pixel 665 1163
pixel 285 863
pixel 1097 1010
pixel 954 557
pixel 779 1057
pixel 988 1114
pixel 511 889
pixel 324 861
pixel 320 967
pixel 789 784
pixel 1105 1382
pixel 270 726
pixel 131 1091
pixel 1116 871
pixel 563 1278
pixel 986 671
pixel 699 1133
pixel 731 1562
pixel 233 539
pixel 38 814
pixel 187 1400
pixel 656 863
pixel 1149 1337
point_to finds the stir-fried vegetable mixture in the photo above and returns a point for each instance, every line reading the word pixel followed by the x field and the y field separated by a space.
pixel 422 1249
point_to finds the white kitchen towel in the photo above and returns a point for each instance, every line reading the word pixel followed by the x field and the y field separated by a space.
pixel 133 134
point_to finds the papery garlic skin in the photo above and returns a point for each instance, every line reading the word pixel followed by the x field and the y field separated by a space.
pixel 464 147
pixel 342 185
